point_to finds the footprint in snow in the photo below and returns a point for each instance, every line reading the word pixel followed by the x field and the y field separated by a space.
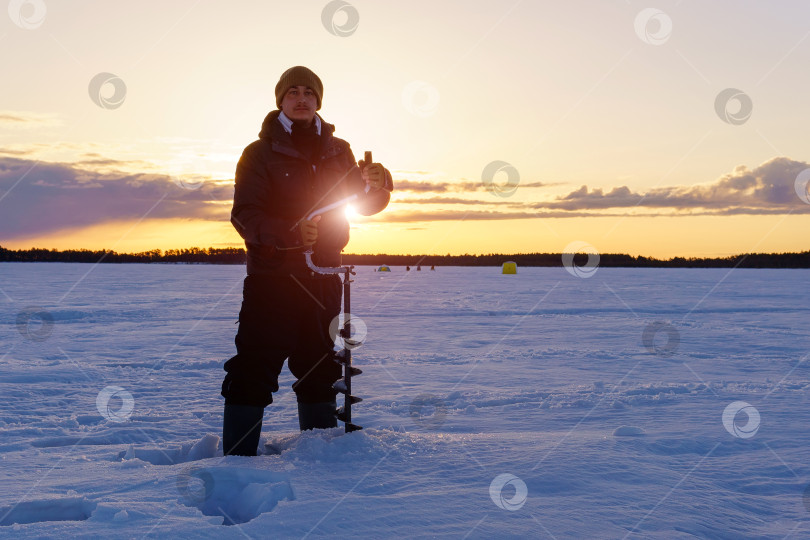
pixel 237 494
pixel 628 431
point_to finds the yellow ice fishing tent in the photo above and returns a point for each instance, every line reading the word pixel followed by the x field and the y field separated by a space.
pixel 509 267
pixel 383 268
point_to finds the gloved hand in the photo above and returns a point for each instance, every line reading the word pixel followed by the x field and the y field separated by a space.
pixel 373 174
pixel 309 230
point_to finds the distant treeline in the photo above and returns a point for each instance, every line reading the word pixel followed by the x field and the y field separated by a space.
pixel 189 255
pixel 237 256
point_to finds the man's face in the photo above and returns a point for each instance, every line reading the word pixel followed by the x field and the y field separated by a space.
pixel 299 104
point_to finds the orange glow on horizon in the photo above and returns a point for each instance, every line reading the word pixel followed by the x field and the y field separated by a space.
pixel 655 237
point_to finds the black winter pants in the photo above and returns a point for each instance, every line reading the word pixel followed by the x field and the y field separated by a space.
pixel 284 317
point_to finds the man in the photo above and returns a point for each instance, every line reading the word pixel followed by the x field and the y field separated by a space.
pixel 296 166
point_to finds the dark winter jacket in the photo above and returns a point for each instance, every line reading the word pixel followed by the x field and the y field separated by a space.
pixel 277 188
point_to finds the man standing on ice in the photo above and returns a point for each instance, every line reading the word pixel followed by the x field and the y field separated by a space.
pixel 296 166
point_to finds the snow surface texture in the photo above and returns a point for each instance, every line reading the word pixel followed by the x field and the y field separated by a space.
pixel 634 403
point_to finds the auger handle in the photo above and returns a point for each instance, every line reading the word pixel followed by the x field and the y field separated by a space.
pixel 332 206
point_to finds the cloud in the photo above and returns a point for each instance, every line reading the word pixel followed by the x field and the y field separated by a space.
pixel 457 187
pixel 42 198
pixel 38 198
pixel 767 189
pixel 9 118
pixel 26 119
pixel 470 215
pixel 452 200
pixel 14 152
pixel 97 162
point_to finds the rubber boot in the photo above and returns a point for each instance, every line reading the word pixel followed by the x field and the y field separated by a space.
pixel 241 428
pixel 317 415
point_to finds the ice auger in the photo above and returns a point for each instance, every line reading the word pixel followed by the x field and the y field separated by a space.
pixel 344 356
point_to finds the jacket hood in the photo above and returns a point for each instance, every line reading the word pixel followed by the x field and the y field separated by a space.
pixel 272 128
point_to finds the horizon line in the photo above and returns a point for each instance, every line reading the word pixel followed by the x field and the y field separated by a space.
pixel 164 251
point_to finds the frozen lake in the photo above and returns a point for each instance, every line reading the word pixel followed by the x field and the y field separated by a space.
pixel 635 403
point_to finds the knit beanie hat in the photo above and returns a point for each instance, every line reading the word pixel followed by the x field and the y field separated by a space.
pixel 298 76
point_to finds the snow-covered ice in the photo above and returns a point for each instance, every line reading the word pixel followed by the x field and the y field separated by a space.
pixel 636 403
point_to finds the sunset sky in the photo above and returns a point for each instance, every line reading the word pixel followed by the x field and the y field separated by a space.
pixel 660 129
